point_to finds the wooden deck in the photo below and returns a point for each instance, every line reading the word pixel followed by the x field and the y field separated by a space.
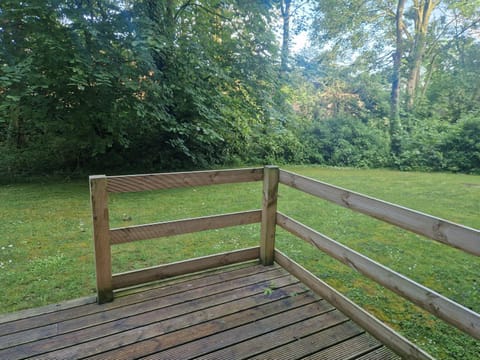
pixel 243 312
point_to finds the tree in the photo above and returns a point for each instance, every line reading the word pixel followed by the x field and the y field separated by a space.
pixel 285 9
pixel 454 91
pixel 187 82
pixel 421 12
pixel 73 85
pixel 293 18
pixel 217 59
pixel 395 123
pixel 369 29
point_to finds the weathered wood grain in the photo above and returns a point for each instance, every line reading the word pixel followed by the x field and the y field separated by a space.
pixel 446 232
pixel 152 317
pixel 42 320
pixel 292 344
pixel 52 308
pixel 382 353
pixel 349 349
pixel 132 183
pixel 198 315
pixel 269 210
pixel 194 326
pixel 291 323
pixel 101 237
pixel 344 341
pixel 185 226
pixel 183 267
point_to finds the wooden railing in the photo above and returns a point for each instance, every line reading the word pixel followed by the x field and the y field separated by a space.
pixel 458 236
pixel 444 231
pixel 104 236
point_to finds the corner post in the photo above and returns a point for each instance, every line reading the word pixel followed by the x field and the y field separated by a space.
pixel 101 237
pixel 269 214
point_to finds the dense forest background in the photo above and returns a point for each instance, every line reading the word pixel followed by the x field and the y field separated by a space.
pixel 146 85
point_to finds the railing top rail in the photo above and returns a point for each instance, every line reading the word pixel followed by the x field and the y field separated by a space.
pixel 158 181
pixel 444 231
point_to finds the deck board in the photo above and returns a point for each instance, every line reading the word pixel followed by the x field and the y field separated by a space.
pixel 51 317
pixel 125 309
pixel 339 346
pixel 234 313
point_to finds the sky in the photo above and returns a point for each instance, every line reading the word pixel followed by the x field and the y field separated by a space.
pixel 299 41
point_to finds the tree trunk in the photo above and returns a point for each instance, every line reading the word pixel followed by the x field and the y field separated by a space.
pixel 428 76
pixel 395 123
pixel 285 9
pixel 170 20
pixel 423 10
pixel 162 18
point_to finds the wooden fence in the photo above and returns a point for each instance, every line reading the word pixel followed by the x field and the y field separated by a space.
pixel 104 236
pixel 448 233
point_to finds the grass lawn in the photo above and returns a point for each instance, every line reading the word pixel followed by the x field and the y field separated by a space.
pixel 46 251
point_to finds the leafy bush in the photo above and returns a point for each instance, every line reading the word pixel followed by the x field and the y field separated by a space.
pixel 421 146
pixel 437 145
pixel 279 147
pixel 348 142
pixel 461 148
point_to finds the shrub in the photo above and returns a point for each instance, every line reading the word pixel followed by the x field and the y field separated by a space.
pixel 461 147
pixel 421 146
pixel 348 142
pixel 277 147
pixel 438 145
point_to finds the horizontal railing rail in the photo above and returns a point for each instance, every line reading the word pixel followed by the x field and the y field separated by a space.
pixel 184 226
pixel 446 232
pixel 135 277
pixel 133 183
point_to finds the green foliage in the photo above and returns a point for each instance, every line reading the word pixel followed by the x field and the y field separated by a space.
pixel 421 146
pixel 438 145
pixel 461 147
pixel 74 87
pixel 348 142
pixel 108 86
pixel 96 85
pixel 454 90
pixel 279 147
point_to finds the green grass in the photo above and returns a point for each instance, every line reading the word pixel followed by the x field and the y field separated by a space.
pixel 46 251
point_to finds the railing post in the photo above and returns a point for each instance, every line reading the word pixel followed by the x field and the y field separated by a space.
pixel 101 237
pixel 269 214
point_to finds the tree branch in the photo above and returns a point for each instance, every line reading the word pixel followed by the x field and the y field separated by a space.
pixel 182 9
